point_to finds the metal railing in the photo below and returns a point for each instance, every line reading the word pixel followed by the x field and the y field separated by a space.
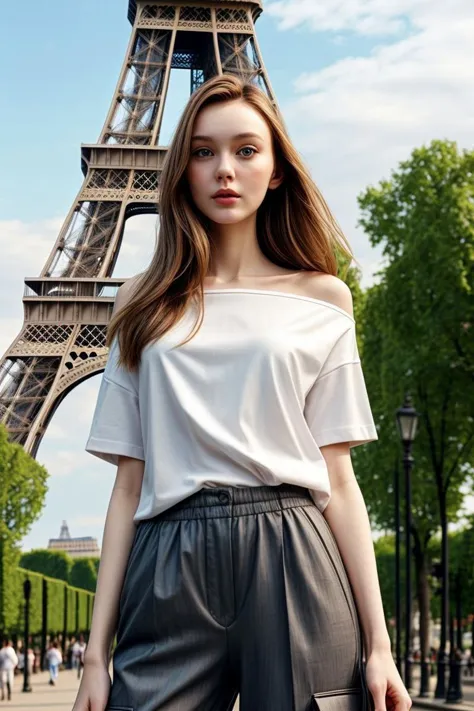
pixel 74 290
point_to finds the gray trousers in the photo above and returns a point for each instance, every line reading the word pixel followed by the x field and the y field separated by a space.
pixel 236 590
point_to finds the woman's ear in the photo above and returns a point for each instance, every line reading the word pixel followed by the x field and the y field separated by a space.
pixel 276 179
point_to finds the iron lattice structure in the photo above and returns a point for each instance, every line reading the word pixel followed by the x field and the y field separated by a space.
pixel 67 308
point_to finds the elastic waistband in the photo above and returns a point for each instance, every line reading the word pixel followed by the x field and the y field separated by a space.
pixel 225 501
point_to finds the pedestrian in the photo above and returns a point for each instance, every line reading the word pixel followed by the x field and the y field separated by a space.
pixel 8 662
pixel 78 651
pixel 69 653
pixel 237 554
pixel 32 658
pixel 54 659
pixel 19 669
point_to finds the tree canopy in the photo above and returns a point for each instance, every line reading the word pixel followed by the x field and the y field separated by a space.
pixel 22 489
pixel 417 332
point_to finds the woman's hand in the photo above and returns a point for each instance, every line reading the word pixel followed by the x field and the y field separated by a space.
pixel 94 688
pixel 385 684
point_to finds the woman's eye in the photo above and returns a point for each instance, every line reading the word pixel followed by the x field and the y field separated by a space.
pixel 248 148
pixel 206 152
pixel 199 151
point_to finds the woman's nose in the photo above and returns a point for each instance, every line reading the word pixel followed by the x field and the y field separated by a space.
pixel 224 170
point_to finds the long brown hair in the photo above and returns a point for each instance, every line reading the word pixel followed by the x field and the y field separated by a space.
pixel 295 227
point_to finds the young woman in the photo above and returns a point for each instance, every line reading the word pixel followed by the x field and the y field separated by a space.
pixel 237 553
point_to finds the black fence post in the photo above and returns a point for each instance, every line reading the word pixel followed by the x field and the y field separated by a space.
pixel 88 613
pixel 26 669
pixel 455 692
pixel 454 683
pixel 44 625
pixel 398 615
pixel 77 613
pixel 65 622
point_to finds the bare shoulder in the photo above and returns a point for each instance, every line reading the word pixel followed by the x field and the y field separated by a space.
pixel 329 288
pixel 125 291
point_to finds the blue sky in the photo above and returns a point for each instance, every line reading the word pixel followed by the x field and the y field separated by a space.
pixel 60 80
pixel 359 89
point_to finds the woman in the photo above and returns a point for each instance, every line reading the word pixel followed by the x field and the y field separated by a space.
pixel 231 397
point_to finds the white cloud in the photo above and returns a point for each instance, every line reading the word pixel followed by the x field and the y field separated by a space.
pixel 24 248
pixel 86 522
pixel 356 119
pixel 363 17
pixel 64 462
pixel 138 244
pixel 418 87
pixel 56 431
pixel 26 243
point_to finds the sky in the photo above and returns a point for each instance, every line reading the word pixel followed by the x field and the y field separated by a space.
pixel 361 83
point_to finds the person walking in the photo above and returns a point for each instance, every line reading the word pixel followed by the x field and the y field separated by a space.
pixel 33 660
pixel 69 653
pixel 78 651
pixel 54 659
pixel 237 555
pixel 8 662
pixel 19 669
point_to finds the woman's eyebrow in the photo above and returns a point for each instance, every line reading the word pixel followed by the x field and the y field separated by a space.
pixel 239 135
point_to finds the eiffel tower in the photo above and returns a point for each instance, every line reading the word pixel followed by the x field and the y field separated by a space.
pixel 67 308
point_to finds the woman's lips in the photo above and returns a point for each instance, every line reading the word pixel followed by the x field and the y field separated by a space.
pixel 226 199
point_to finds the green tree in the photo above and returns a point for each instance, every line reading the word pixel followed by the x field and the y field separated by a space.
pixel 52 563
pixel 461 547
pixel 10 594
pixel 417 337
pixel 22 489
pixel 22 493
pixel 384 548
pixel 83 574
pixel 461 555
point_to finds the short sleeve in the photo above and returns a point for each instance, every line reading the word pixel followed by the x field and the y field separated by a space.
pixel 116 427
pixel 337 407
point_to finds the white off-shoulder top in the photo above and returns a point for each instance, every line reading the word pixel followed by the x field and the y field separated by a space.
pixel 268 380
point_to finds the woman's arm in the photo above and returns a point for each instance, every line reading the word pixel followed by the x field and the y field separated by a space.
pixel 117 541
pixel 119 532
pixel 346 514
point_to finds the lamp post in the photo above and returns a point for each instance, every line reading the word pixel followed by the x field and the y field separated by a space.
pixel 398 617
pixel 407 422
pixel 26 666
pixel 455 692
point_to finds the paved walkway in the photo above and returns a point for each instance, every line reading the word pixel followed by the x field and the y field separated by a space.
pixel 43 697
pixel 62 696
pixel 467 704
pixel 57 698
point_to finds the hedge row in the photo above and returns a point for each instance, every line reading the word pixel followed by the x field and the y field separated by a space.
pixel 78 572
pixel 57 594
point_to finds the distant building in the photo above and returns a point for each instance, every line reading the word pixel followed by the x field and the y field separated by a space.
pixel 75 547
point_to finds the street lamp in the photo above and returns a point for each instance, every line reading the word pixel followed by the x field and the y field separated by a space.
pixel 407 423
pixel 398 633
pixel 455 657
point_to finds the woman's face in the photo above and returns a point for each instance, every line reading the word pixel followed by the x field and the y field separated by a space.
pixel 231 150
